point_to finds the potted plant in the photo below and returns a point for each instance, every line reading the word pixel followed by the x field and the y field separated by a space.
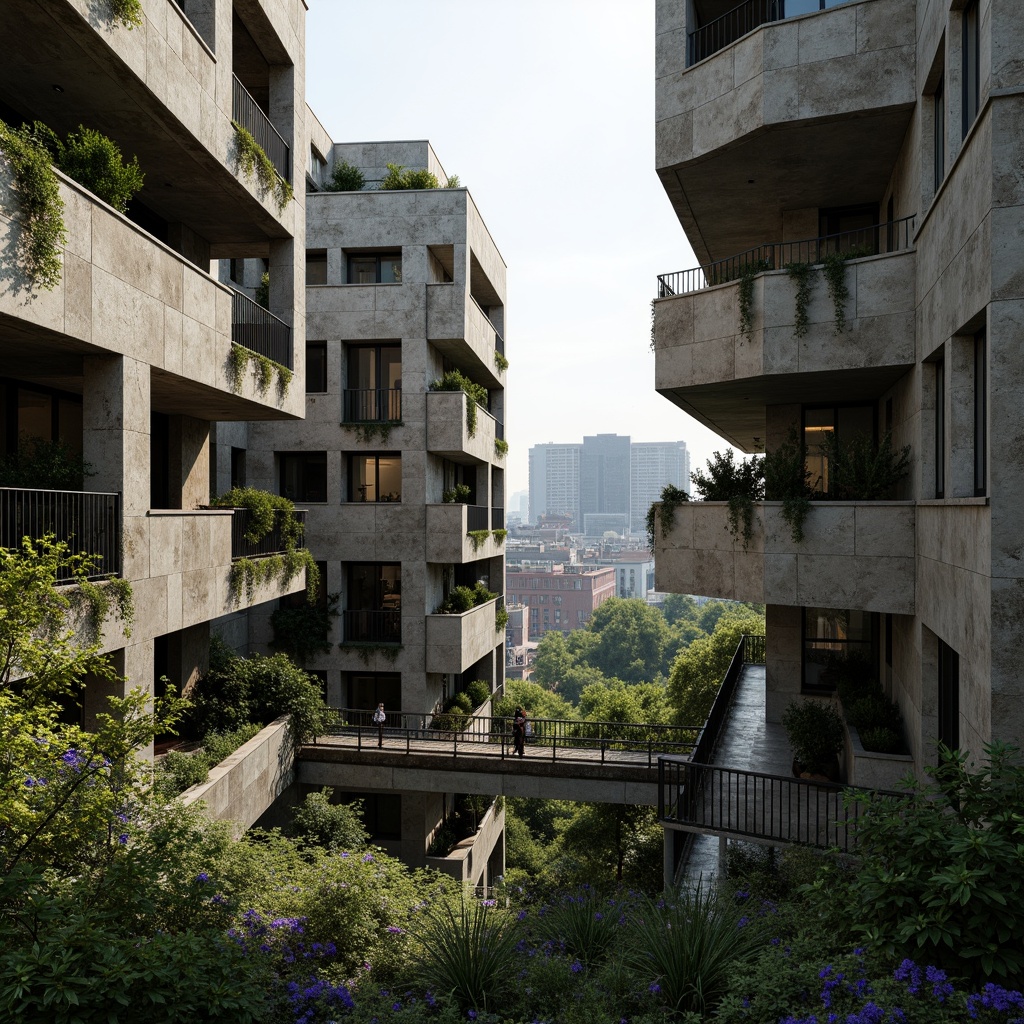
pixel 815 731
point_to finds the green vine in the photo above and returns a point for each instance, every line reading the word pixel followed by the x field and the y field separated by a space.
pixel 366 432
pixel 739 484
pixel 453 380
pixel 388 651
pixel 239 357
pixel 42 209
pixel 654 314
pixel 500 361
pixel 499 536
pixel 665 510
pixel 787 479
pixel 500 447
pixel 126 12
pixel 500 619
pixel 478 537
pixel 254 162
pixel 834 269
pixel 102 597
pixel 247 574
pixel 801 274
pixel 747 274
pixel 741 507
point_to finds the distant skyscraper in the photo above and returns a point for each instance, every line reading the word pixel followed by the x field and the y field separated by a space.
pixel 652 465
pixel 604 477
pixel 555 481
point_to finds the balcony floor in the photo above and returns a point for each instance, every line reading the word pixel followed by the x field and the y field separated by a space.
pixel 749 743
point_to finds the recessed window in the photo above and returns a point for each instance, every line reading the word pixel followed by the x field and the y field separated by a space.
pixel 939 424
pixel 850 228
pixel 374 384
pixel 949 695
pixel 316 169
pixel 980 414
pixel 825 425
pixel 375 478
pixel 970 54
pixel 373 608
pixel 316 367
pixel 939 126
pixel 316 266
pixel 375 268
pixel 304 476
pixel 834 635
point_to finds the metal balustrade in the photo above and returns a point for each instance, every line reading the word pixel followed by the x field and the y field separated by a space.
pixel 744 18
pixel 888 237
pixel 372 405
pixel 258 330
pixel 373 626
pixel 476 518
pixel 248 113
pixel 87 521
pixel 486 735
pixel 497 518
pixel 275 542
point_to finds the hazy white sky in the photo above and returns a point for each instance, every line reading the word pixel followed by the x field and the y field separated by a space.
pixel 545 110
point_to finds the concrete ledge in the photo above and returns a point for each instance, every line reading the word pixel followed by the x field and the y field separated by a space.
pixel 245 784
pixel 456 641
pixel 468 860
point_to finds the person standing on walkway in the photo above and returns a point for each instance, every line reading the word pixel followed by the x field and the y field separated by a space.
pixel 378 718
pixel 519 732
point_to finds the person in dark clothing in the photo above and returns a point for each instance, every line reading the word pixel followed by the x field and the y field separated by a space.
pixel 519 732
pixel 378 718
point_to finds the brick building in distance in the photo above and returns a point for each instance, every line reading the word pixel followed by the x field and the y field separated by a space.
pixel 561 598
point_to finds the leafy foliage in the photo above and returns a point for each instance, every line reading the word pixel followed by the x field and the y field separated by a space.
pixel 126 12
pixel 631 640
pixel 500 447
pixel 304 631
pixel 665 511
pixel 333 826
pixel 858 470
pixel 261 295
pixel 787 479
pixel 462 599
pixel 401 178
pixel 254 162
pixel 458 494
pixel 37 192
pixel 345 177
pixel 265 369
pixel 454 380
pixel 739 483
pixel 177 770
pixel 815 732
pixel 801 274
pixel 747 274
pixel 44 464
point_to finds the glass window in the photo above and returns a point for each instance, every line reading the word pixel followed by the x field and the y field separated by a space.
pixel 366 690
pixel 939 126
pixel 375 268
pixel 316 367
pixel 316 266
pixel 940 429
pixel 980 415
pixel 832 634
pixel 35 414
pixel 304 476
pixel 317 168
pixel 971 59
pixel 375 478
pixel 374 384
pixel 844 422
pixel 949 695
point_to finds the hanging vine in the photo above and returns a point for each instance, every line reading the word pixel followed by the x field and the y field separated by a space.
pixel 801 274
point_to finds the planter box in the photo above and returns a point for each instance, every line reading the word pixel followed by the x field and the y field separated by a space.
pixel 869 769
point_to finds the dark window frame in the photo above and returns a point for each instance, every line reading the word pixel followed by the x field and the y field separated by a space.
pixel 836 407
pixel 970 70
pixel 377 404
pixel 316 258
pixel 376 456
pixel 980 414
pixel 871 646
pixel 389 255
pixel 939 133
pixel 319 348
pixel 302 492
pixel 948 685
pixel 939 428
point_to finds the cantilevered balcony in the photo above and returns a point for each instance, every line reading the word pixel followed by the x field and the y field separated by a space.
pixel 448 430
pixel 459 328
pixel 457 641
pixel 258 330
pixel 794 115
pixel 246 112
pixel 725 373
pixel 853 555
pixel 450 533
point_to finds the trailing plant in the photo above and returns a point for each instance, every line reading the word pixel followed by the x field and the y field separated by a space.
pixel 366 650
pixel 345 177
pixel 262 293
pixel 834 269
pixel 303 632
pixel 858 470
pixel 478 537
pixel 453 380
pixel 665 510
pixel 43 464
pixel 500 618
pixel 747 274
pixel 458 494
pixel 264 369
pixel 500 447
pixel 787 479
pixel 264 511
pixel 740 484
pixel 654 318
pixel 368 432
pixel 126 12
pixel 815 733
pixel 500 361
pixel 112 596
pixel 37 193
pixel 801 274
pixel 499 536
pixel 95 161
pixel 254 162
pixel 400 178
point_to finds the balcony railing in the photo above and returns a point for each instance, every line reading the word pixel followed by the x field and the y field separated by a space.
pixel 368 626
pixel 258 330
pixel 274 543
pixel 497 519
pixel 372 405
pixel 246 111
pixel 891 236
pixel 476 517
pixel 744 18
pixel 85 520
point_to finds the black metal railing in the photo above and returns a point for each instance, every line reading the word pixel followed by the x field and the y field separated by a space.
pixel 499 430
pixel 258 330
pixel 744 18
pixel 372 626
pixel 491 736
pixel 372 405
pixel 274 543
pixel 892 236
pixel 497 518
pixel 86 521
pixel 248 113
pixel 756 805
pixel 476 517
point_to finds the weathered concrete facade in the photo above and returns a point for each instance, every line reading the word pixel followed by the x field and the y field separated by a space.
pixel 899 123
pixel 402 287
pixel 128 356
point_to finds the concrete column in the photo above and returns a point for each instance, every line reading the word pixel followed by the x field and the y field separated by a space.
pixel 190 461
pixel 783 659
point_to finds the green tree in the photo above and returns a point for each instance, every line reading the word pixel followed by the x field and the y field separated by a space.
pixel 577 679
pixel 620 843
pixel 538 702
pixel 698 671
pixel 631 640
pixel 615 701
pixel 679 608
pixel 319 821
pixel 553 660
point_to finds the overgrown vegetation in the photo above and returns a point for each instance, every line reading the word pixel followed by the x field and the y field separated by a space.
pixel 126 12
pixel 178 770
pixel 254 163
pixel 500 362
pixel 815 732
pixel 304 631
pixel 41 209
pixel 45 465
pixel 664 511
pixel 370 431
pixel 345 177
pixel 500 447
pixel 461 599
pixel 787 479
pixel 401 178
pixel 860 470
pixel 476 394
pixel 738 483
pixel 263 368
pixel 801 275
pixel 459 494
pixel 746 289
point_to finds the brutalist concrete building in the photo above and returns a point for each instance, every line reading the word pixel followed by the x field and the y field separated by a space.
pixel 878 142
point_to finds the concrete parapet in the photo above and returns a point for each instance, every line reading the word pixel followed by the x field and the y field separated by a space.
pixel 455 642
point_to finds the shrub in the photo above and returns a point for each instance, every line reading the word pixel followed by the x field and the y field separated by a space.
pixel 458 494
pixel 787 479
pixel 479 692
pixel 882 740
pixel 671 498
pixel 48 465
pixel 815 733
pixel 96 162
pixel 317 820
pixel 858 470
pixel 453 380
pixel 345 177
pixel 400 178
pixel 872 712
pixel 739 483
pixel 304 631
